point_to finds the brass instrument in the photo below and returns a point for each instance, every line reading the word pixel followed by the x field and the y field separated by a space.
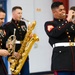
pixel 73 17
pixel 12 39
pixel 17 64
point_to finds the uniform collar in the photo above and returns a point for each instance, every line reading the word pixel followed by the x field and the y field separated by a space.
pixel 15 21
pixel 58 19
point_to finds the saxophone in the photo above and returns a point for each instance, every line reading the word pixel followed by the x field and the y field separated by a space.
pixel 17 64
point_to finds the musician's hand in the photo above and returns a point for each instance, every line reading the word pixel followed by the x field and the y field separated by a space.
pixel 17 55
pixel 4 52
pixel 70 15
pixel 73 20
pixel 31 35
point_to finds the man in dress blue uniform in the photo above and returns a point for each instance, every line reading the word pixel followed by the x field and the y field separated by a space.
pixel 21 29
pixel 61 33
pixel 3 52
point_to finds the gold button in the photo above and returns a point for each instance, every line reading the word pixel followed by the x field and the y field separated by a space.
pixel 59 26
pixel 18 27
pixel 62 24
pixel 68 36
pixel 69 40
pixel 1 43
pixel 59 51
pixel 59 19
pixel 17 24
pixel 67 32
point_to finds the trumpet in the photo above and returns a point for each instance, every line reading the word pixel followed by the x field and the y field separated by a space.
pixel 73 17
pixel 12 39
pixel 67 15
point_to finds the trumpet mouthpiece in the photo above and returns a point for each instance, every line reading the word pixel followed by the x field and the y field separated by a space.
pixel 64 14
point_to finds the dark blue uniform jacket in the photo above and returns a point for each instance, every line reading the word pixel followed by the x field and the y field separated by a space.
pixel 61 31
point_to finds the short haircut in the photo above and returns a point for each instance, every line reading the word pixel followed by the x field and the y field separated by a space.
pixel 72 8
pixel 2 10
pixel 56 4
pixel 16 7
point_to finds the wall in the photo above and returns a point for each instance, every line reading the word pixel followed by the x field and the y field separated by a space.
pixel 39 10
pixel 71 3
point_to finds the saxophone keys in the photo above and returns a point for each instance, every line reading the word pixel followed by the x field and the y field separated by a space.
pixel 12 69
pixel 20 61
pixel 18 67
pixel 23 54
